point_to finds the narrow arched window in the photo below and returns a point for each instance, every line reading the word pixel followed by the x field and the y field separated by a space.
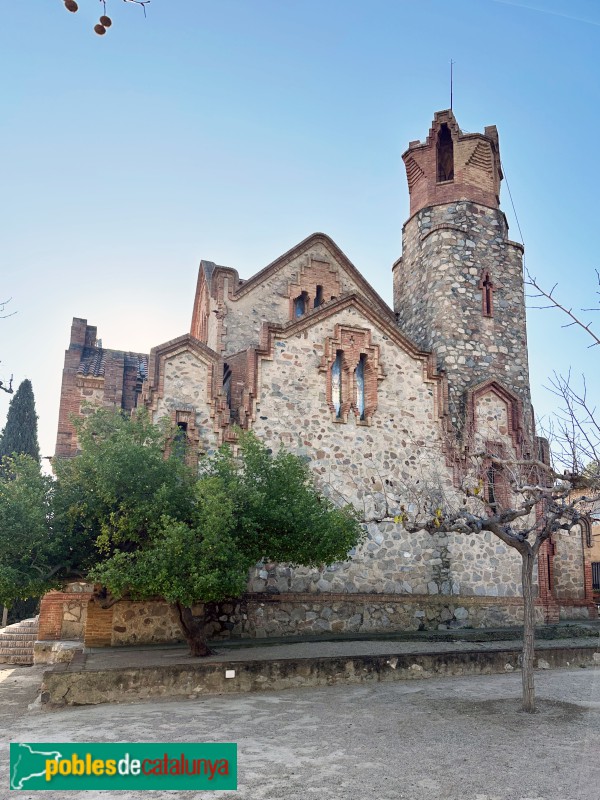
pixel 227 383
pixel 487 298
pixel 445 155
pixel 491 487
pixel 336 384
pixel 586 527
pixel 300 304
pixel 180 441
pixel 360 385
pixel 318 297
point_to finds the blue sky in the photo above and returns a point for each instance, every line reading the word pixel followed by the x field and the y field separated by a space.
pixel 230 130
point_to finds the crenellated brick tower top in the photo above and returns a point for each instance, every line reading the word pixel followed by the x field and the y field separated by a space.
pixel 458 287
pixel 451 165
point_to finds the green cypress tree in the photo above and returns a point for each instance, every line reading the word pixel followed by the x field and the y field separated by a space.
pixel 20 432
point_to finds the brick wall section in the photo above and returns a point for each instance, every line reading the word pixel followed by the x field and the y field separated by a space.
pixel 62 614
pixel 587 581
pixel 119 386
pixel 99 626
pixel 82 335
pixel 51 616
pixel 477 171
pixel 113 380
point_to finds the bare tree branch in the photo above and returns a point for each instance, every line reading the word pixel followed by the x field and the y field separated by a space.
pixel 553 302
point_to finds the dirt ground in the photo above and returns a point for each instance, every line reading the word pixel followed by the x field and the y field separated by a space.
pixel 438 739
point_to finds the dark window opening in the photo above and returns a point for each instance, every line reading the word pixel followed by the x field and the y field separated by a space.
pixel 491 487
pixel 586 527
pixel 336 384
pixel 318 297
pixel 487 287
pixel 445 155
pixel 227 383
pixel 300 304
pixel 360 385
pixel 596 576
pixel 180 440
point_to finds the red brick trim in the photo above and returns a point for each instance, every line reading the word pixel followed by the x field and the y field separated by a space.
pixel 514 407
pixel 98 626
pixel 314 272
pixel 477 170
pixel 237 288
pixel 51 615
pixel 273 331
pixel 352 342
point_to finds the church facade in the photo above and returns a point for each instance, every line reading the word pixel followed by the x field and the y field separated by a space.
pixel 307 355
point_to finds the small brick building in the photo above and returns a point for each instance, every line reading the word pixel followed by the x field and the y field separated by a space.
pixel 306 354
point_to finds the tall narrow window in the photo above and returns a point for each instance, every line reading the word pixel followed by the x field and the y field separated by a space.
pixel 586 527
pixel 180 441
pixel 487 299
pixel 445 155
pixel 491 487
pixel 300 304
pixel 227 383
pixel 318 297
pixel 360 385
pixel 336 384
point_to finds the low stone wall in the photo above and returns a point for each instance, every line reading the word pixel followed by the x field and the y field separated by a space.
pixel 147 622
pixel 574 611
pixel 264 615
pixel 62 687
pixel 268 615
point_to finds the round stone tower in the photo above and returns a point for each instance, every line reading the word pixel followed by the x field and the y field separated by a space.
pixel 458 287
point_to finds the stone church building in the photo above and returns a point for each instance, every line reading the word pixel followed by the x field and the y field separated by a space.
pixel 307 355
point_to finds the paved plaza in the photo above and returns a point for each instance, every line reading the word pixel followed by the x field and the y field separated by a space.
pixel 439 739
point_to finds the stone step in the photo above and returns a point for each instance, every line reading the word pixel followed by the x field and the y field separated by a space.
pixel 14 651
pixel 20 626
pixel 24 623
pixel 17 640
pixel 23 660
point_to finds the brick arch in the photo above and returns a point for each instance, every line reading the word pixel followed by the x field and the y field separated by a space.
pixel 514 408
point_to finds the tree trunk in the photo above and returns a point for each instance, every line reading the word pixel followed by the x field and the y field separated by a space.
pixel 192 628
pixel 528 632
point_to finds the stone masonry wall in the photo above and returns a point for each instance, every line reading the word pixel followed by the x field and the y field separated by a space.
pixel 149 622
pixel 269 615
pixel 568 565
pixel 271 299
pixel 186 380
pixel 437 298
pixel 364 463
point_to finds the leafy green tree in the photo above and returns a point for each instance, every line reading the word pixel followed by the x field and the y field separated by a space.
pixel 143 525
pixel 20 432
pixel 112 496
pixel 31 559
